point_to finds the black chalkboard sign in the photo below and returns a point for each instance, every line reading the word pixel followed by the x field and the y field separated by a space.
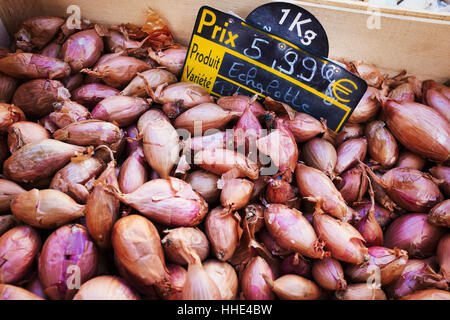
pixel 227 56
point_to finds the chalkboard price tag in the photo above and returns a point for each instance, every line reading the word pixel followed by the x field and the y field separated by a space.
pixel 226 55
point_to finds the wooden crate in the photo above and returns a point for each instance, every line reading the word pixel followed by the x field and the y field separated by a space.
pixel 417 41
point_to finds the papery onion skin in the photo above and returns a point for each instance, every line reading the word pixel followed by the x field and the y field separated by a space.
pixel 205 183
pixel 314 183
pixel 414 234
pixel 353 185
pixel 304 127
pixel 89 95
pixel 8 190
pixel 169 201
pixel 349 131
pixel 440 214
pixel 280 191
pixel 443 256
pixel 239 103
pixel 382 146
pixel 220 161
pixel 236 193
pixel 138 249
pixel 429 294
pixel 82 49
pixel 369 73
pixel 67 249
pixel 361 291
pixel 292 231
pixel 371 231
pixel 417 275
pixel 36 97
pixel 9 114
pixel 389 262
pixel 222 229
pixel 439 102
pixel 296 264
pixel 367 108
pixel 178 239
pixel 161 145
pixel 102 208
pixel 133 172
pixel 18 249
pixel 442 173
pixel 177 279
pixel 120 109
pixel 68 112
pixel 23 132
pixel 149 116
pixel 90 133
pixel 198 285
pixel 36 32
pixel 270 244
pixel 345 242
pixel 118 71
pixel 172 59
pixel 224 276
pixel 328 274
pixel 8 86
pixel 294 287
pixel 349 153
pixel 419 128
pixel 403 92
pixel 253 285
pixel 47 208
pixel 105 288
pixel 203 117
pixel 281 147
pixel 151 78
pixel 383 216
pixel 320 154
pixel 116 41
pixel 10 292
pixel 254 214
pixel 33 66
pixel 76 178
pixel 410 160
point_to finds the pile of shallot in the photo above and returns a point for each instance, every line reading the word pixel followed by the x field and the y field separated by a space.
pixel 120 182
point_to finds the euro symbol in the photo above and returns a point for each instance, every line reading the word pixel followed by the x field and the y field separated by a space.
pixel 337 86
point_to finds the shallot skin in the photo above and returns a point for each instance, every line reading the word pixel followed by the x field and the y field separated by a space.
pixel 419 128
pixel 33 66
pixel 18 250
pixel 76 178
pixel 23 132
pixel 442 173
pixel 443 256
pixel 36 97
pixel 8 190
pixel 67 249
pixel 39 160
pixel 82 49
pixel 411 189
pixel 414 234
pixel 89 95
pixel 381 144
pixel 239 103
pixel 314 183
pixel 46 208
pixel 121 109
pixel 36 32
pixel 68 112
pixel 10 292
pixel 168 201
pixel 429 294
pixel 137 246
pixel 9 114
pixel 439 215
pixel 292 231
pixel 176 240
pixel 254 286
pixel 148 79
pixel 105 288
pixel 222 229
pixel 133 172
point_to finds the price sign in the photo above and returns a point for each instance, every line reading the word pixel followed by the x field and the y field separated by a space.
pixel 227 55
